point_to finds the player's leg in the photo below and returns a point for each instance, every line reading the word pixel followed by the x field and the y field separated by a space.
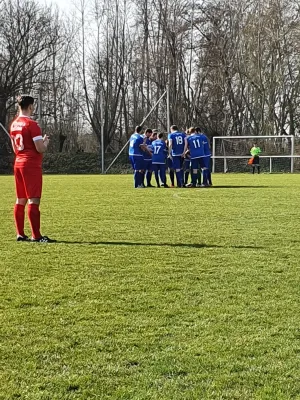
pixel 177 164
pixel 135 175
pixel 149 173
pixel 155 168
pixel 162 174
pixel 171 171
pixel 194 168
pixel 140 170
pixel 187 167
pixel 199 175
pixel 34 182
pixel 19 208
pixel 204 169
pixel 207 165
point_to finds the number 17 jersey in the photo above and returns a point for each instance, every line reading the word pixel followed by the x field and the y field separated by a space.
pixel 24 132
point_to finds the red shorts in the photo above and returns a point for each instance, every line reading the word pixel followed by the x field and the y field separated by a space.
pixel 28 182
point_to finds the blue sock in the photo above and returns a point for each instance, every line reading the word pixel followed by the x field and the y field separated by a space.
pixel 182 176
pixel 178 178
pixel 209 177
pixel 205 177
pixel 194 178
pixel 172 177
pixel 156 177
pixel 148 177
pixel 186 176
pixel 136 178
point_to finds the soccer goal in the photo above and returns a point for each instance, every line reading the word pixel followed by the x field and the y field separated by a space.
pixel 231 153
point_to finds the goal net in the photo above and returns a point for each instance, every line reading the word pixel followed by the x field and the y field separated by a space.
pixel 231 153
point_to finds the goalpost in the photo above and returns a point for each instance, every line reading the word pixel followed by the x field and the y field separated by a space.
pixel 231 153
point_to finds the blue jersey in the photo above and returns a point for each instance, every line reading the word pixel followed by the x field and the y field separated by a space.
pixel 206 147
pixel 177 143
pixel 159 152
pixel 135 142
pixel 148 143
pixel 196 147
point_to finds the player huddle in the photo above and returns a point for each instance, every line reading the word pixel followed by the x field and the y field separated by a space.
pixel 183 154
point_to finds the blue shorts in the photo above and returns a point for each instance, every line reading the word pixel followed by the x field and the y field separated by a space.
pixel 169 163
pixel 197 163
pixel 137 162
pixel 177 162
pixel 148 165
pixel 206 161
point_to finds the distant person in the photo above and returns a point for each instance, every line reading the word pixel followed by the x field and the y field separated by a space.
pixel 29 146
pixel 187 159
pixel 137 148
pixel 148 157
pixel 159 156
pixel 254 162
pixel 207 181
pixel 194 144
pixel 176 153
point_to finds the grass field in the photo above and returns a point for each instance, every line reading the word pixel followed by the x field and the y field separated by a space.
pixel 153 294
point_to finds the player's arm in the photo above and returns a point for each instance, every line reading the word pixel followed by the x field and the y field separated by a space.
pixel 40 142
pixel 170 147
pixel 145 148
pixel 13 145
pixel 185 147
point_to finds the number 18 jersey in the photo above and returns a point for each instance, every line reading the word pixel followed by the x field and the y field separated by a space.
pixel 24 132
pixel 177 143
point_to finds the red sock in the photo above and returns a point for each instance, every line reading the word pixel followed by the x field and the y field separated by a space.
pixel 19 214
pixel 34 219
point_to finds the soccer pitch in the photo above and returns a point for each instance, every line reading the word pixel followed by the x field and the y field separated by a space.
pixel 153 293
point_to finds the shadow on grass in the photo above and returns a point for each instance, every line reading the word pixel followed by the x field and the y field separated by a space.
pixel 191 245
pixel 244 187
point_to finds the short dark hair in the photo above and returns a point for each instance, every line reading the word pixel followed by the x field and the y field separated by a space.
pixel 24 101
pixel 149 130
pixel 198 129
pixel 174 127
pixel 160 135
pixel 138 129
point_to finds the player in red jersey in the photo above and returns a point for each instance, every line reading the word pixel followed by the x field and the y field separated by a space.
pixel 29 146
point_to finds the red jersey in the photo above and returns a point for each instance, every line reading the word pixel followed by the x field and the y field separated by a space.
pixel 24 132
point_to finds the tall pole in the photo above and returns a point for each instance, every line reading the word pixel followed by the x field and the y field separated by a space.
pixel 214 153
pixel 292 153
pixel 168 106
pixel 102 132
pixel 39 101
pixel 141 124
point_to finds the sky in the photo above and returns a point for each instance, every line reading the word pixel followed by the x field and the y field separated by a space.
pixel 64 5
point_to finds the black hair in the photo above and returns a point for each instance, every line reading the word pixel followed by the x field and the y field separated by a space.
pixel 138 129
pixel 149 130
pixel 160 135
pixel 24 101
pixel 174 127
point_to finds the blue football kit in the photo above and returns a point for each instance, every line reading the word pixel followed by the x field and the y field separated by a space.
pixel 177 139
pixel 136 157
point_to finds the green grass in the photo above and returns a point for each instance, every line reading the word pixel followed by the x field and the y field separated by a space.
pixel 153 294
